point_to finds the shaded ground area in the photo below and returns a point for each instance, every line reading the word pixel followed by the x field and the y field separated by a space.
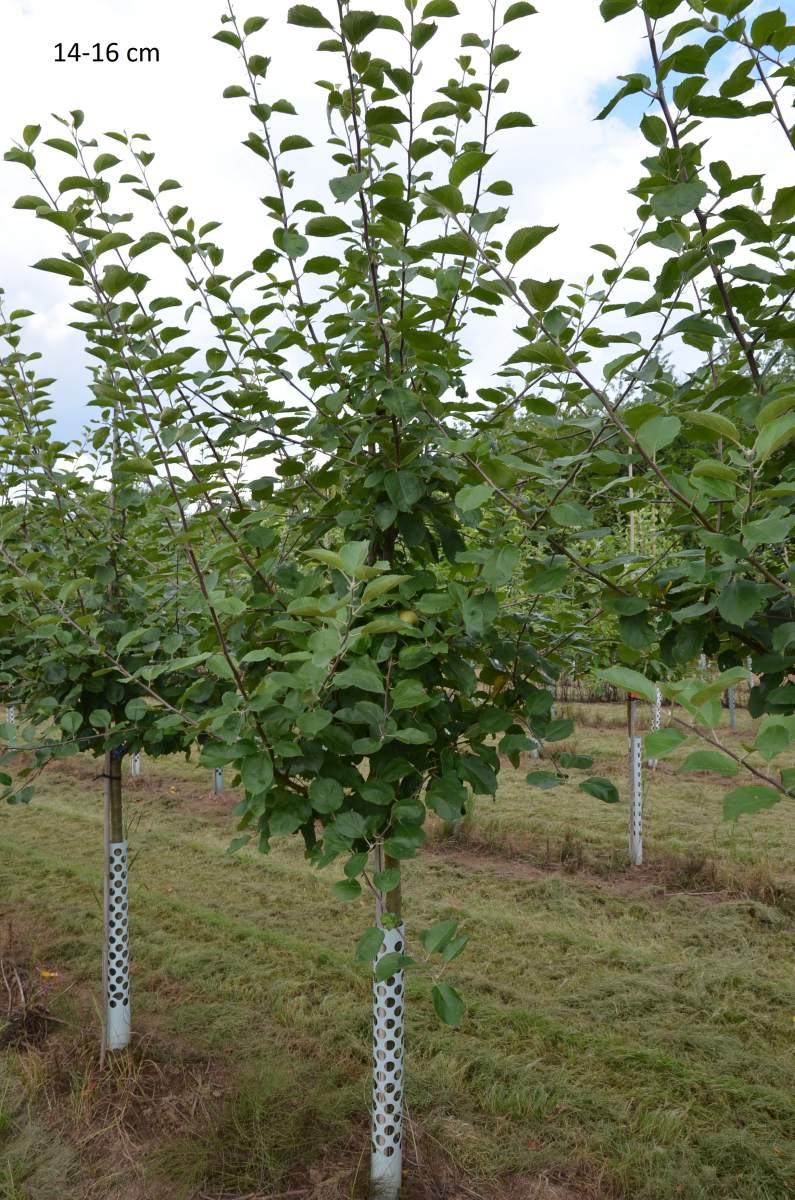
pixel 628 1034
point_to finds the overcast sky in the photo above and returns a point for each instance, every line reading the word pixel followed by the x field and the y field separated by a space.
pixel 568 171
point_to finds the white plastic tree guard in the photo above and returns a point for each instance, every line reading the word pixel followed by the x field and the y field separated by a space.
pixel 386 1161
pixel 656 719
pixel 732 703
pixel 218 780
pixel 635 787
pixel 117 950
pixel 135 765
pixel 11 719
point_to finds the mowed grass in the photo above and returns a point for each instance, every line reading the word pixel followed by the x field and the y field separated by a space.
pixel 629 1035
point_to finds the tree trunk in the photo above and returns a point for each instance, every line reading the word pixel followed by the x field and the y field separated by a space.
pixel 116 956
pixel 386 1161
pixel 635 786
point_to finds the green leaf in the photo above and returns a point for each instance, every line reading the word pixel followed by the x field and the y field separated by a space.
pixel 515 11
pixel 630 681
pixel 100 718
pixel 388 880
pixel 30 133
pixel 770 531
pixel 321 264
pixel 773 739
pixel 357 25
pixel 451 243
pixel 503 54
pixel 455 947
pixel 774 435
pixel 473 496
pixel 715 423
pixel 369 944
pixel 467 164
pixel 739 601
pixel 70 722
pixel 547 579
pixel 752 798
pixel 576 762
pixel 404 489
pixel 514 120
pixel 364 678
pixel 422 34
pixel 24 157
pixel 499 566
pixel 390 964
pixel 347 186
pixel 384 114
pixel 59 266
pixel 218 665
pixel 238 843
pixel 104 162
pixel 408 693
pixel 569 514
pixel 307 16
pixel 541 295
pixel 111 241
pixel 677 200
pixel 525 240
pixel 314 722
pixel 439 8
pixel 766 25
pixel 653 129
pixel 601 788
pixel 326 795
pixel 382 585
pixel 412 737
pixel 437 937
pixel 292 243
pixel 448 199
pixel 295 141
pixel 347 890
pixel 662 742
pixel 62 145
pixel 326 226
pixel 253 24
pixel 710 760
pixel 557 731
pixel 543 779
pixel 610 9
pixel 256 772
pixel 449 1004
pixel 784 204
pixel 658 432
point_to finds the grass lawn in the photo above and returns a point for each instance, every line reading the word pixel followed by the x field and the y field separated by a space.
pixel 629 1034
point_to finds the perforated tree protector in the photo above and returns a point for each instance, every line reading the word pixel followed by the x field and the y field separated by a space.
pixel 117 967
pixel 656 719
pixel 730 696
pixel 218 780
pixel 388 1022
pixel 11 719
pixel 135 765
pixel 635 800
